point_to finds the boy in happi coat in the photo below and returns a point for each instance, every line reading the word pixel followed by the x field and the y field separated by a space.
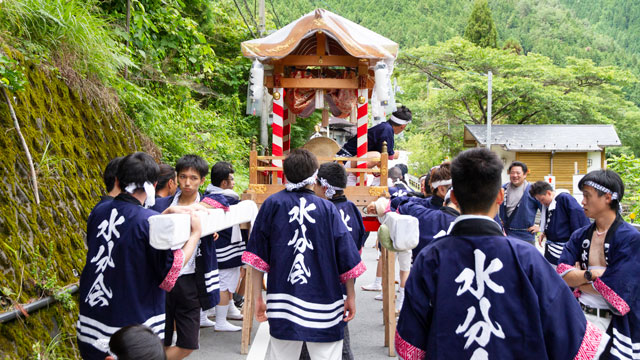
pixel 187 302
pixel 301 241
pixel 477 294
pixel 602 262
pixel 332 180
pixel 561 215
pixel 124 280
pixel 229 246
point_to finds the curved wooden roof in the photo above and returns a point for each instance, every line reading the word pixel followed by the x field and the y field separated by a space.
pixel 345 37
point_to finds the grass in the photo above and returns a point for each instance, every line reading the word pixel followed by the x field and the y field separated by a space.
pixel 65 30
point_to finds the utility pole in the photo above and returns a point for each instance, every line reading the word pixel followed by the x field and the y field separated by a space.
pixel 264 114
pixel 261 27
pixel 489 90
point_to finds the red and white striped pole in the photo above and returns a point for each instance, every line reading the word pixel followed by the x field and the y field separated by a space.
pixel 276 142
pixel 363 121
pixel 286 138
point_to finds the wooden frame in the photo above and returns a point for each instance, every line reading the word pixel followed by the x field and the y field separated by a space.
pixel 388 259
pixel 260 188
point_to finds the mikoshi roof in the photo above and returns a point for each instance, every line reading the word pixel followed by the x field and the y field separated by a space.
pixel 356 40
pixel 546 137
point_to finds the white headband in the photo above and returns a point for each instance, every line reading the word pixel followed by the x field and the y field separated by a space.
pixel 149 189
pixel 614 195
pixel 331 190
pixel 398 120
pixel 441 183
pixel 308 181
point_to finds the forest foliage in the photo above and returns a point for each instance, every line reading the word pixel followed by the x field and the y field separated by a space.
pixel 556 66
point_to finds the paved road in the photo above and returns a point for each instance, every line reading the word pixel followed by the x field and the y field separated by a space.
pixel 367 331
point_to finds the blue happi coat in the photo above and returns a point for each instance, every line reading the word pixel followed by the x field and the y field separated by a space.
pixel 207 277
pixel 302 242
pixel 352 219
pixel 431 202
pixel 230 244
pixel 522 217
pixel 124 279
pixel 376 136
pixel 562 218
pixel 619 284
pixel 478 294
pixel 431 222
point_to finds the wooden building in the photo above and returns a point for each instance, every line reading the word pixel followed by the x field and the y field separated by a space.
pixel 558 150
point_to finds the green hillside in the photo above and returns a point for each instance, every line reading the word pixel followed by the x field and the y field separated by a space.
pixel 554 28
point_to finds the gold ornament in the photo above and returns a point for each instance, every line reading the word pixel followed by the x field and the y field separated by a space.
pixel 276 95
pixel 258 188
pixel 361 100
pixel 377 191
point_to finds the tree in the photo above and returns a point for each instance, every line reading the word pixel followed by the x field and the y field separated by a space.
pixel 480 28
pixel 527 89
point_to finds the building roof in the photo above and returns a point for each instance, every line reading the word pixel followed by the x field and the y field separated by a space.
pixel 355 39
pixel 545 137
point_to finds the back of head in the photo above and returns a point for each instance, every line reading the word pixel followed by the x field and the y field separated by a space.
pixel 404 168
pixel 166 173
pixel 395 173
pixel 604 181
pixel 110 172
pixel 441 173
pixel 401 116
pixel 136 342
pixel 540 188
pixel 476 177
pixel 220 171
pixel 194 162
pixel 299 165
pixel 137 168
pixel 334 173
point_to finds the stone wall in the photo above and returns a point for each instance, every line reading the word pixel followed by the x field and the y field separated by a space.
pixel 42 247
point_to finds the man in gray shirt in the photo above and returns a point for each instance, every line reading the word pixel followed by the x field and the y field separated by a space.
pixel 518 211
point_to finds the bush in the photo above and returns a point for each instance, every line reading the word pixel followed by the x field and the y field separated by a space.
pixel 628 167
pixel 64 30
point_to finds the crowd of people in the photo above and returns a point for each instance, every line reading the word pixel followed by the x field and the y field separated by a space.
pixel 474 287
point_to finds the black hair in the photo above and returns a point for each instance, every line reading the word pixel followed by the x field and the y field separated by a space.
pixel 220 172
pixel 395 173
pixel 166 173
pixel 404 168
pixel 299 165
pixel 610 180
pixel 521 164
pixel 402 113
pixel 194 162
pixel 427 187
pixel 334 173
pixel 540 188
pixel 476 177
pixel 136 342
pixel 137 168
pixel 110 172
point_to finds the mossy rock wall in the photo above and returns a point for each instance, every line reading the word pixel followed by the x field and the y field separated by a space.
pixel 42 247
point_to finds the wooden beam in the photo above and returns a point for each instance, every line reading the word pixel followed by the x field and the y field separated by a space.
pixel 321 43
pixel 291 83
pixel 390 297
pixel 316 60
pixel 247 311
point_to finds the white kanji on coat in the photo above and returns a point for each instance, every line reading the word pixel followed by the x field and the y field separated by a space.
pixel 100 293
pixel 481 330
pixel 345 219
